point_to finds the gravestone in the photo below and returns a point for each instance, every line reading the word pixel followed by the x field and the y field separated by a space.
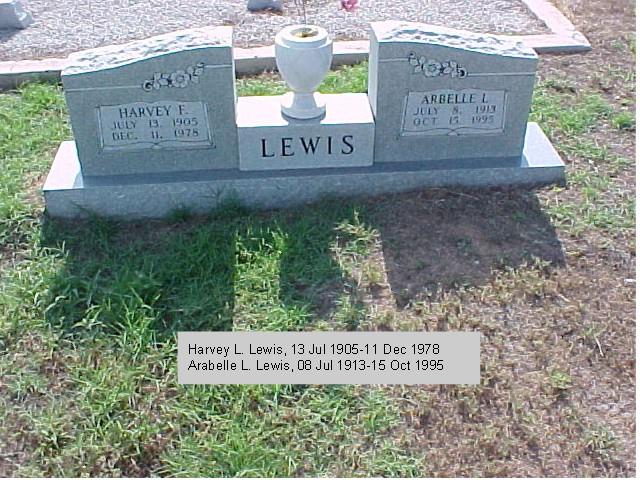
pixel 156 125
pixel 158 105
pixel 447 95
pixel 13 15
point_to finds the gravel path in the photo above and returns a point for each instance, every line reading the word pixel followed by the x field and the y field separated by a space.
pixel 66 26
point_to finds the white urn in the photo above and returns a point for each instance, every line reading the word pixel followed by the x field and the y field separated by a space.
pixel 303 56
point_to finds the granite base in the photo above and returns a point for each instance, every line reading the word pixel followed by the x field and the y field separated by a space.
pixel 68 194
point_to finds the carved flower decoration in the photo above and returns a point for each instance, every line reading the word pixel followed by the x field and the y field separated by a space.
pixel 417 63
pixel 432 68
pixel 161 80
pixel 449 68
pixel 195 72
pixel 179 79
pixel 452 68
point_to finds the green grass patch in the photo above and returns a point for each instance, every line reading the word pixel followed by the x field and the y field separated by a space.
pixel 106 300
pixel 33 121
pixel 567 113
pixel 624 121
pixel 343 80
pixel 569 118
pixel 601 204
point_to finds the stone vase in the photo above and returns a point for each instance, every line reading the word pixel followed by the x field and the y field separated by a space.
pixel 303 56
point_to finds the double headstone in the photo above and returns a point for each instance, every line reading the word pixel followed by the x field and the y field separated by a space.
pixel 158 127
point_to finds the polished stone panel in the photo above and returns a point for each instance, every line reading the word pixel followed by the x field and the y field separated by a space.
pixel 343 137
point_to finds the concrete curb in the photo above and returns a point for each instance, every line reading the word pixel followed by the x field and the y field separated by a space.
pixel 565 37
pixel 249 61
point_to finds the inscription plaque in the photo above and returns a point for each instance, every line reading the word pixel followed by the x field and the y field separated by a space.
pixel 163 124
pixel 454 112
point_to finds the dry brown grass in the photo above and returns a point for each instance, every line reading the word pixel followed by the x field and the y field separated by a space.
pixel 555 306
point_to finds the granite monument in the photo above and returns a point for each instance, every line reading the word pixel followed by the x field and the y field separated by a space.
pixel 440 94
pixel 157 126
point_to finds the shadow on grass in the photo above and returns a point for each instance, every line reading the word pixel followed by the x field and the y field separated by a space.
pixel 152 278
pixel 441 239
pixel 278 271
pixel 231 270
pixel 129 286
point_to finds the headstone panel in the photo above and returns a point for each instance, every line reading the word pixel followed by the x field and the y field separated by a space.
pixel 342 138
pixel 439 94
pixel 158 127
pixel 163 104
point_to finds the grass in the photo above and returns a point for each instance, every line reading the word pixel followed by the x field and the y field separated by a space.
pixel 559 380
pixel 89 311
pixel 102 304
pixel 31 125
pixel 571 118
pixel 344 80
pixel 548 109
pixel 624 121
pixel 110 302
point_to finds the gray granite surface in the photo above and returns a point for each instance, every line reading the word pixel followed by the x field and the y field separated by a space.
pixel 262 5
pixel 426 34
pixel 442 94
pixel 162 104
pixel 113 56
pixel 66 26
pixel 131 197
pixel 343 137
pixel 13 16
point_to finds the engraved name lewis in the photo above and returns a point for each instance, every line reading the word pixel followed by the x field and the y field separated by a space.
pixel 156 125
pixel 321 145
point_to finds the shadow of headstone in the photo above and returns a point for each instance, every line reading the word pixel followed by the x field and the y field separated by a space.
pixel 441 239
pixel 278 271
pixel 233 271
pixel 153 278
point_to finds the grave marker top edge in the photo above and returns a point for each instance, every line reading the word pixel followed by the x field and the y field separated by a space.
pixel 394 31
pixel 114 56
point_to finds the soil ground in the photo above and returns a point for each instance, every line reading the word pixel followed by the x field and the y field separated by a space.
pixel 547 277
pixel 591 287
